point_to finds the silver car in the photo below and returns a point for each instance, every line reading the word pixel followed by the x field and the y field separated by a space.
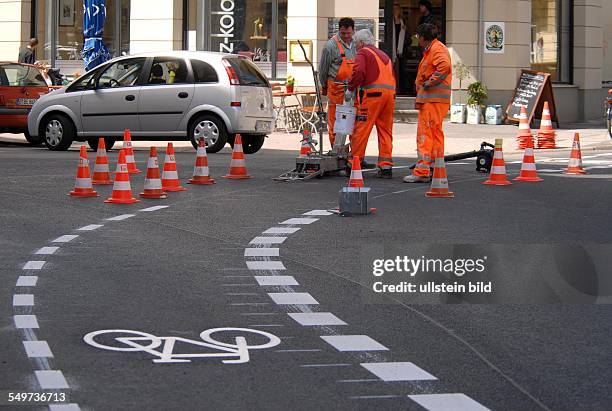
pixel 160 96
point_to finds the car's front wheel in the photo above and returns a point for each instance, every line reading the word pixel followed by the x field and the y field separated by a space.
pixel 109 142
pixel 35 141
pixel 58 132
pixel 211 129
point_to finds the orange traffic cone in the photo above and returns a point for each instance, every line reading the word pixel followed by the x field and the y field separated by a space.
pixel 305 149
pixel 575 162
pixel 201 174
pixel 528 168
pixel 524 131
pixel 356 179
pixel 129 153
pixel 546 133
pixel 153 184
pixel 101 173
pixel 122 190
pixel 498 175
pixel 237 169
pixel 83 187
pixel 439 181
pixel 170 179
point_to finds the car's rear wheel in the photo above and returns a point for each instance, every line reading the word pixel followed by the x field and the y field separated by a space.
pixel 251 143
pixel 35 141
pixel 211 129
pixel 58 131
pixel 109 142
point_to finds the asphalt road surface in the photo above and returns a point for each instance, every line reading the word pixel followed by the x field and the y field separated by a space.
pixel 267 256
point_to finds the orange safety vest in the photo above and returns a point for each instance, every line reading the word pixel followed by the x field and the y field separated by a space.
pixel 386 78
pixel 436 69
pixel 335 88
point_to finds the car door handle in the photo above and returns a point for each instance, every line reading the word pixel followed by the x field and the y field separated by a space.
pixel 182 94
pixel 130 97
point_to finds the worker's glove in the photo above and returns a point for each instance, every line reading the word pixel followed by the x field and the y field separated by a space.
pixel 427 85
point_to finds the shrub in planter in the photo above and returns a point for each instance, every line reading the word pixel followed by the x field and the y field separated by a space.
pixel 477 95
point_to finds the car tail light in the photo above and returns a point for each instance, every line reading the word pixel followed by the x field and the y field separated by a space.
pixel 235 104
pixel 231 73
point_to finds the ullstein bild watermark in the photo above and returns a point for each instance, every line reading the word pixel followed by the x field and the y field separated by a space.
pixel 414 266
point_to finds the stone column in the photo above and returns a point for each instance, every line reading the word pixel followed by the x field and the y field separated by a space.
pixel 15 23
pixel 156 25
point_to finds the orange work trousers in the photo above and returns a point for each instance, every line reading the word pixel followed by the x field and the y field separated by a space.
pixel 376 109
pixel 335 96
pixel 430 137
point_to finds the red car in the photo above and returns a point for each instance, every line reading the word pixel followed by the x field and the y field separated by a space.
pixel 20 86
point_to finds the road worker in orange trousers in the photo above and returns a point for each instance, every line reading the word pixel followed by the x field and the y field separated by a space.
pixel 373 78
pixel 335 69
pixel 433 85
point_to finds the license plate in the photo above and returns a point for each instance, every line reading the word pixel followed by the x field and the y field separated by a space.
pixel 25 101
pixel 263 126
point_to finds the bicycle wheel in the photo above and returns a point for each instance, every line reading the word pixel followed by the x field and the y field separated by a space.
pixel 273 340
pixel 136 335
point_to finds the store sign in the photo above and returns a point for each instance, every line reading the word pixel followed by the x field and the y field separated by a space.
pixel 495 37
pixel 224 26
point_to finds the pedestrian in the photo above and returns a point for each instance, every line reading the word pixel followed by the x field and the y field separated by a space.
pixel 433 84
pixel 426 9
pixel 335 69
pixel 27 54
pixel 373 76
pixel 399 43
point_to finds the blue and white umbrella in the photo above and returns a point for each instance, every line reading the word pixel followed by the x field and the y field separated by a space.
pixel 94 49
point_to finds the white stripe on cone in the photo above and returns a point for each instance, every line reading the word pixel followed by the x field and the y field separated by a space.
pixel 100 168
pixel 356 174
pixel 122 186
pixel 169 175
pixel 529 167
pixel 200 171
pixel 129 159
pixel 498 154
pixel 154 184
pixel 152 163
pixel 238 163
pixel 83 183
pixel 498 170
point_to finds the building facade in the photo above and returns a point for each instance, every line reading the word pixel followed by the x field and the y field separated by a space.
pixel 569 39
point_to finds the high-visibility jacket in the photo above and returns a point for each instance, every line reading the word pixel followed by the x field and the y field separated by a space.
pixel 434 77
pixel 386 78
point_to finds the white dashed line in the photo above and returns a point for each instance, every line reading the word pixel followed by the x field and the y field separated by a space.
pixel 64 407
pixel 47 250
pixel 65 239
pixel 398 371
pixel 300 221
pixel 155 208
pixel 282 230
pixel 353 343
pixel 90 227
pixel 266 265
pixel 275 280
pixel 445 402
pixel 316 319
pixel 34 265
pixel 319 213
pixel 121 217
pixel 23 300
pixel 268 240
pixel 51 379
pixel 25 321
pixel 37 349
pixel 293 299
pixel 261 252
pixel 27 281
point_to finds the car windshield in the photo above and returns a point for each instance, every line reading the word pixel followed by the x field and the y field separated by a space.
pixel 21 76
pixel 248 73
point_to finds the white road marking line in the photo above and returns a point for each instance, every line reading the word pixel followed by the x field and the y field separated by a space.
pixel 397 371
pixel 46 250
pixel 121 217
pixel 90 227
pixel 34 265
pixel 353 343
pixel 275 280
pixel 27 281
pixel 261 252
pixel 155 208
pixel 374 397
pixel 316 319
pixel 319 212
pixel 363 380
pixel 51 379
pixel 266 265
pixel 37 349
pixel 64 407
pixel 282 230
pixel 64 239
pixel 444 402
pixel 292 298
pixel 268 240
pixel 23 300
pixel 303 350
pixel 25 321
pixel 324 365
pixel 299 221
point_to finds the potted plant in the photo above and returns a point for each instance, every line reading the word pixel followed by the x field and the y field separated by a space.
pixel 458 111
pixel 477 95
pixel 290 84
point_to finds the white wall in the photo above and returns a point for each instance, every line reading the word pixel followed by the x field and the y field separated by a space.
pixel 14 28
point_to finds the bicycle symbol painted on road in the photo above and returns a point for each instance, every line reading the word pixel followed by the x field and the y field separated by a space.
pixel 138 341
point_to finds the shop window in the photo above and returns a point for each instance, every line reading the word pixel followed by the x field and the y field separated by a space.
pixel 551 38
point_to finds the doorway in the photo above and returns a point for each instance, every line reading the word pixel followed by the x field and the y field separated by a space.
pixel 407 64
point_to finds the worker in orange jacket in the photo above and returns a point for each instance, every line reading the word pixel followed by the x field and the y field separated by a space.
pixel 433 99
pixel 373 76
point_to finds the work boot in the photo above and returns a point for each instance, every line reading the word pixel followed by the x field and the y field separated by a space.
pixel 367 166
pixel 385 172
pixel 411 178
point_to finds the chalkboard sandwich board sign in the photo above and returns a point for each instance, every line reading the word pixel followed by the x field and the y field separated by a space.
pixel 532 90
